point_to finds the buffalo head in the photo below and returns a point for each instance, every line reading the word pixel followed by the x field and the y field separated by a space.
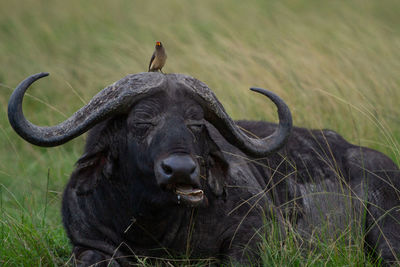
pixel 162 123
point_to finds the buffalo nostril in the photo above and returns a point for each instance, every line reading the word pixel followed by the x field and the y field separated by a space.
pixel 166 168
pixel 192 170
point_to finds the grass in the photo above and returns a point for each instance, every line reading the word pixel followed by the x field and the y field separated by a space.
pixel 335 63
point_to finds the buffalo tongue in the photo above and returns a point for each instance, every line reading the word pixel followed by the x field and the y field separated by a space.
pixel 189 194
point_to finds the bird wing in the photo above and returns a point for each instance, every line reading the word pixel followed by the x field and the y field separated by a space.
pixel 152 59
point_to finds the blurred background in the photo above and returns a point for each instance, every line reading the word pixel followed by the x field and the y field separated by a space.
pixel 335 63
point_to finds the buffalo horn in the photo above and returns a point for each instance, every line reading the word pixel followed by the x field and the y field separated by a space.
pixel 216 115
pixel 112 100
pixel 119 97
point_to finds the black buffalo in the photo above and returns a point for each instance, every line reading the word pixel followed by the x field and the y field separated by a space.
pixel 166 172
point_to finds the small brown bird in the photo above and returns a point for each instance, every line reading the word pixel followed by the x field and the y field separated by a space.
pixel 158 58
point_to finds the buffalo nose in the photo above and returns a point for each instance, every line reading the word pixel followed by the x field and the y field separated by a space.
pixel 176 169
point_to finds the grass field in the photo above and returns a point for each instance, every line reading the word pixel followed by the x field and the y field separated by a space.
pixel 336 64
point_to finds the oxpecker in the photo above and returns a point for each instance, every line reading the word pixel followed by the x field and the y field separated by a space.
pixel 158 58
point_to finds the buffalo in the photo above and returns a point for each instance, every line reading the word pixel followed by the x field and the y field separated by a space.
pixel 166 172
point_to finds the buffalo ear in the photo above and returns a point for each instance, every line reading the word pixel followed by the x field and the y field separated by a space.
pixel 218 169
pixel 90 169
pixel 217 164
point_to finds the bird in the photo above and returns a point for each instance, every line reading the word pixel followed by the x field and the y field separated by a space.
pixel 158 58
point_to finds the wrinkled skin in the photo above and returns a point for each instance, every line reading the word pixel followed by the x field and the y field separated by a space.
pixel 116 206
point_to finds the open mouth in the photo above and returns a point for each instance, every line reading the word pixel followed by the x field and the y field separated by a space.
pixel 189 195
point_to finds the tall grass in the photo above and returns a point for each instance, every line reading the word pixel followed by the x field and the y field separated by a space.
pixel 336 64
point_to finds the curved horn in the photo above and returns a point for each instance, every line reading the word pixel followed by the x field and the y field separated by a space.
pixel 216 114
pixel 113 99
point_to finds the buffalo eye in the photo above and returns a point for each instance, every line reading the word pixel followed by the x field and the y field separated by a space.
pixel 141 128
pixel 195 126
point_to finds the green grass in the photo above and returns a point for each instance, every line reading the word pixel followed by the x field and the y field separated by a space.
pixel 336 64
